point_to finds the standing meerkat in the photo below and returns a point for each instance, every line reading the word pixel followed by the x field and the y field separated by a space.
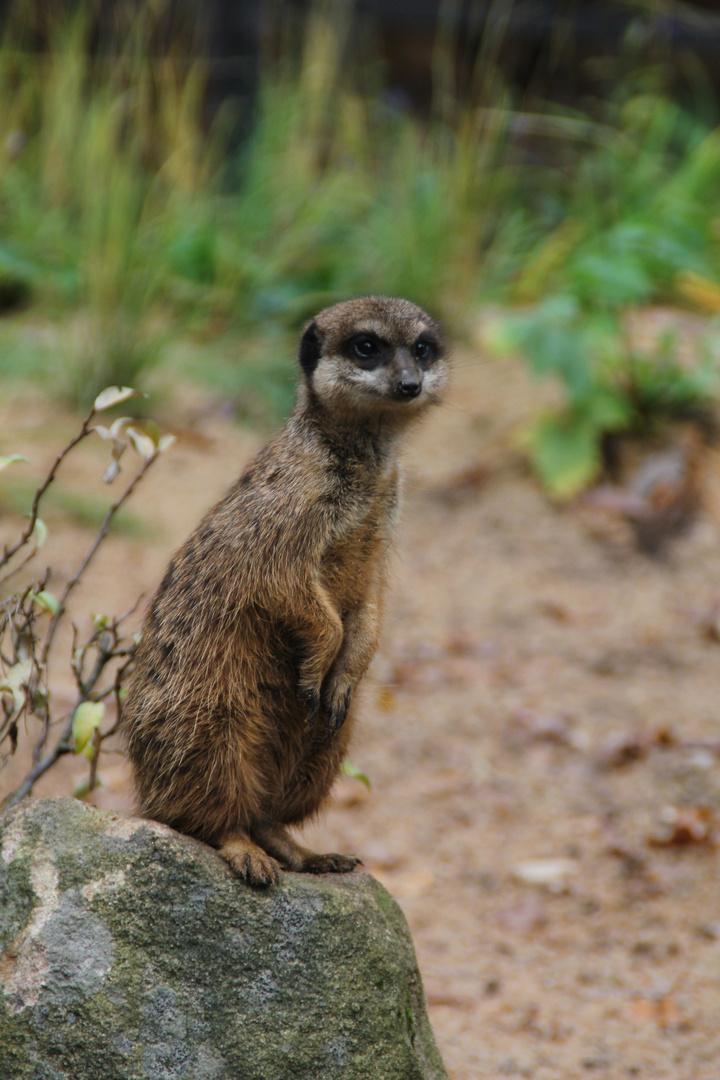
pixel 239 713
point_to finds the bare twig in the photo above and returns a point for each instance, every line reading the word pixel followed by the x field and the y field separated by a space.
pixel 100 664
pixel 85 430
pixel 47 645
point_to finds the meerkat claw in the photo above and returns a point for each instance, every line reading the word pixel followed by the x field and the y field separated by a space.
pixel 337 711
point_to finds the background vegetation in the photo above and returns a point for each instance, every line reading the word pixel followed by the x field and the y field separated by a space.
pixel 136 246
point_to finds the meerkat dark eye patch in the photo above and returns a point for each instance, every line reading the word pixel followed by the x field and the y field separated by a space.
pixel 366 349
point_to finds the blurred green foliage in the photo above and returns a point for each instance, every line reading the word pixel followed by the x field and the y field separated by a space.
pixel 638 225
pixel 138 240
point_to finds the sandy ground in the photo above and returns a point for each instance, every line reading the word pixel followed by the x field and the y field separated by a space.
pixel 540 727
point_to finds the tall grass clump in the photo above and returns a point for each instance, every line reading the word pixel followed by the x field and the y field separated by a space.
pixel 102 151
pixel 340 193
pixel 121 216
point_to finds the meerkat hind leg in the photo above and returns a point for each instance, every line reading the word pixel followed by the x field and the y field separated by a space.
pixel 249 861
pixel 291 855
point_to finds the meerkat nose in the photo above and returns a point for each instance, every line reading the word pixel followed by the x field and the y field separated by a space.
pixel 409 388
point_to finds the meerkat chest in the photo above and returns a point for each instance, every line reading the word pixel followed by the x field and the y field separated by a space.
pixel 352 562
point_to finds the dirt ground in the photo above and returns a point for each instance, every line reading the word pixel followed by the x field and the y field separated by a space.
pixel 540 727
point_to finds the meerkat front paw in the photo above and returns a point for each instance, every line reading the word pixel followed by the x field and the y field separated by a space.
pixel 336 706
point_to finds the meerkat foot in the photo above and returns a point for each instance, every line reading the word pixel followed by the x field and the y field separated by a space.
pixel 250 862
pixel 331 864
pixel 293 856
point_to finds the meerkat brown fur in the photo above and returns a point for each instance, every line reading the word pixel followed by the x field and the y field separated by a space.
pixel 239 713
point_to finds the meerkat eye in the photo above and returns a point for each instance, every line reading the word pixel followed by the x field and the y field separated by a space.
pixel 365 348
pixel 424 352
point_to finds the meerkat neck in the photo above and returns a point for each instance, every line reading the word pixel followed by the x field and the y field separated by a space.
pixel 359 434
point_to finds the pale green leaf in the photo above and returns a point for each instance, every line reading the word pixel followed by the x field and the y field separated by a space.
pixel 82 788
pixel 87 718
pixel 113 395
pixel 166 442
pixel 144 445
pixel 47 601
pixel 39 532
pixel 352 770
pixel 14 681
pixel 10 459
pixel 111 472
pixel 119 426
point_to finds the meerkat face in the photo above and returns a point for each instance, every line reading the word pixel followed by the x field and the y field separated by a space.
pixel 375 354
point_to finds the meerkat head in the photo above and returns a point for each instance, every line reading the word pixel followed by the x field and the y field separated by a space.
pixel 374 355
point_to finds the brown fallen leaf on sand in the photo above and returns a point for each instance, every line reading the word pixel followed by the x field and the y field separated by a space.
pixel 682 826
pixel 622 748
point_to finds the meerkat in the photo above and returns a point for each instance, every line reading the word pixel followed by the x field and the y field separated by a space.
pixel 239 713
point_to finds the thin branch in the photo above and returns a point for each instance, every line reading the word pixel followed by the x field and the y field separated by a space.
pixel 61 747
pixel 25 536
pixel 91 553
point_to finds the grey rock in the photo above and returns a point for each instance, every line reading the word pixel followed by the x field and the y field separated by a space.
pixel 130 952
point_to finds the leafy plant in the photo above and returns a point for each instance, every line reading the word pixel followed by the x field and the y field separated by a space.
pixel 608 387
pixel 31 615
pixel 638 227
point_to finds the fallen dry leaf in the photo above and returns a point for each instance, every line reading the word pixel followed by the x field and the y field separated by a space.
pixel 622 748
pixel 684 826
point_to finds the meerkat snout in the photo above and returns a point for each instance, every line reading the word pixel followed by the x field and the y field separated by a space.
pixel 409 388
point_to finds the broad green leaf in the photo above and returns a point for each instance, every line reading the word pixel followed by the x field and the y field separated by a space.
pixel 565 452
pixel 607 409
pixel 113 395
pixel 87 718
pixel 10 459
pixel 352 770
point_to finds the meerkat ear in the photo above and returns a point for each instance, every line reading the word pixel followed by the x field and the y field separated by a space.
pixel 310 349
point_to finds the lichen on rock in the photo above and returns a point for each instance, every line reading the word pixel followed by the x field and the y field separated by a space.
pixel 130 952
